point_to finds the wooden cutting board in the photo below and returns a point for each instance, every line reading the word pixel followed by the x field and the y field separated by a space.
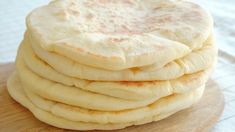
pixel 200 117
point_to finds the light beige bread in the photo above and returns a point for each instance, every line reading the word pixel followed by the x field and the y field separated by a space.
pixel 108 64
pixel 80 97
pixel 168 105
pixel 124 89
pixel 119 35
pixel 193 62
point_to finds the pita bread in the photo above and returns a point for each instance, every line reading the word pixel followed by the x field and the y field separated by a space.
pixel 76 96
pixel 196 61
pixel 125 90
pixel 117 35
pixel 16 92
pixel 163 105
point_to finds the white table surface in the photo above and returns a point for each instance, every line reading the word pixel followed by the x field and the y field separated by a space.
pixel 12 27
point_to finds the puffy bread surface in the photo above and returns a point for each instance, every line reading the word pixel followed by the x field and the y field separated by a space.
pixel 195 61
pixel 163 105
pixel 76 96
pixel 16 91
pixel 121 34
pixel 129 90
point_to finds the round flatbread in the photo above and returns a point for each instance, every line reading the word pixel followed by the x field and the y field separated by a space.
pixel 163 105
pixel 17 93
pixel 76 96
pixel 125 89
pixel 117 35
pixel 195 61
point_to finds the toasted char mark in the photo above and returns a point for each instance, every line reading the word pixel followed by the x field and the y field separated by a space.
pixel 187 79
pixel 62 14
pixel 164 19
pixel 138 84
pixel 115 20
pixel 167 31
pixel 65 14
pixel 128 17
pixel 135 69
pixel 160 19
pixel 131 83
pixel 89 16
pixel 133 20
pixel 116 40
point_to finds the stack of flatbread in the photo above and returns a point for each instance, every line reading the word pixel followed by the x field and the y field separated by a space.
pixel 109 64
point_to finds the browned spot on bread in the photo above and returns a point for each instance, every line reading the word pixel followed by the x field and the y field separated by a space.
pixel 89 16
pixel 131 83
pixel 174 94
pixel 74 12
pixel 62 15
pixel 188 79
pixel 160 19
pixel 116 40
pixel 138 84
pixel 157 8
pixel 135 69
pixel 166 19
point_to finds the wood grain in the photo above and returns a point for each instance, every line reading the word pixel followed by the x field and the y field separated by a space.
pixel 200 117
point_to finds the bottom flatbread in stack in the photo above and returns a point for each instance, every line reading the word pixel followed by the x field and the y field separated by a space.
pixel 169 106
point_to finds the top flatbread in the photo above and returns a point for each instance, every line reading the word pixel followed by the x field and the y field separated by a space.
pixel 195 61
pixel 116 35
